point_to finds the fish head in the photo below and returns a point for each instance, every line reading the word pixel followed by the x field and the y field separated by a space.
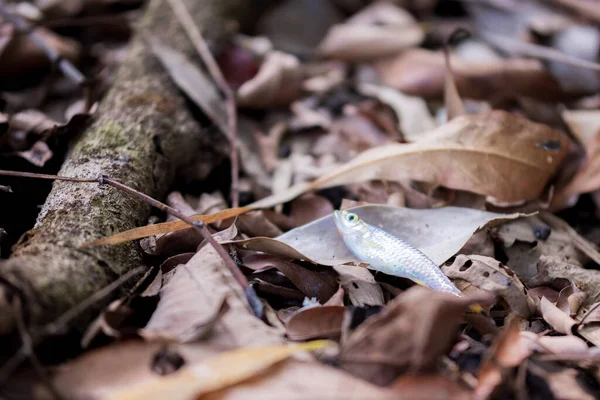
pixel 349 224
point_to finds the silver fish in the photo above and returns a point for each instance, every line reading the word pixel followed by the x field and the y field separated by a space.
pixel 389 254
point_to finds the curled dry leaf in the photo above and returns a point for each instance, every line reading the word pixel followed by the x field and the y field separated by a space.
pixel 411 111
pixel 439 233
pixel 278 82
pixel 316 323
pixel 422 73
pixel 427 321
pixel 377 31
pixel 491 275
pixel 558 319
pixel 495 154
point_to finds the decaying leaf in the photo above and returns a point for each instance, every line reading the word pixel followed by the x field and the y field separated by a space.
pixel 316 323
pixel 360 285
pixel 427 322
pixel 191 295
pixel 278 82
pixel 439 233
pixel 495 154
pixel 491 275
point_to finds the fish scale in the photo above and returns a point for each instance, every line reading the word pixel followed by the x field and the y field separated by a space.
pixel 389 254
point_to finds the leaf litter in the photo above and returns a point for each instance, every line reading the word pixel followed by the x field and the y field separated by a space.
pixel 481 152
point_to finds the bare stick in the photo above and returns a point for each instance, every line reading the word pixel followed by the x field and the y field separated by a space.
pixel 187 23
pixel 45 176
pixel 199 226
pixel 66 67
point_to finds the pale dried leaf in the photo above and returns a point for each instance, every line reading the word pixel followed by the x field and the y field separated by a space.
pixel 439 233
pixel 277 83
pixel 495 154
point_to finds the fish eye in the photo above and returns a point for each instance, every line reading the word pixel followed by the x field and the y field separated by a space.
pixel 352 218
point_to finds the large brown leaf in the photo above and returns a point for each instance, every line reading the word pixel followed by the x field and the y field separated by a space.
pixel 496 154
pixel 412 333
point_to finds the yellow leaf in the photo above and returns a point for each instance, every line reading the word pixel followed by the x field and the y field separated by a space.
pixel 165 227
pixel 224 370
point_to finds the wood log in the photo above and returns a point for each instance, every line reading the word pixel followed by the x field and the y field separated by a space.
pixel 144 131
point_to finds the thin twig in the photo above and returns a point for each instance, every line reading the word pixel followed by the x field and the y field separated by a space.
pixel 201 228
pixel 28 349
pixel 187 23
pixel 66 67
pixel 57 325
pixel 45 176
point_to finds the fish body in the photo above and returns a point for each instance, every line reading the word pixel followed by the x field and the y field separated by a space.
pixel 389 254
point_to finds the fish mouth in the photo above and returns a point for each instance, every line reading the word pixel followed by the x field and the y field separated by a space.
pixel 337 219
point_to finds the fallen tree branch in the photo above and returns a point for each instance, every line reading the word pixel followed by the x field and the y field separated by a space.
pixel 143 134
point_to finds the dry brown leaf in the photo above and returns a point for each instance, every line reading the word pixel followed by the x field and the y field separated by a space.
pixel 357 42
pixel 508 351
pixel 316 323
pixel 491 275
pixel 360 285
pixel 411 111
pixel 278 82
pixel 190 296
pixel 429 387
pixel 20 56
pixel 308 208
pixel 379 30
pixel 425 320
pixel 420 72
pixel 559 320
pixel 496 154
pixel 311 283
pixel 585 125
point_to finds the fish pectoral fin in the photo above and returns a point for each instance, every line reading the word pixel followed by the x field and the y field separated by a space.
pixel 420 283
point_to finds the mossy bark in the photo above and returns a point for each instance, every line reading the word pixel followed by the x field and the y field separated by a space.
pixel 143 133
